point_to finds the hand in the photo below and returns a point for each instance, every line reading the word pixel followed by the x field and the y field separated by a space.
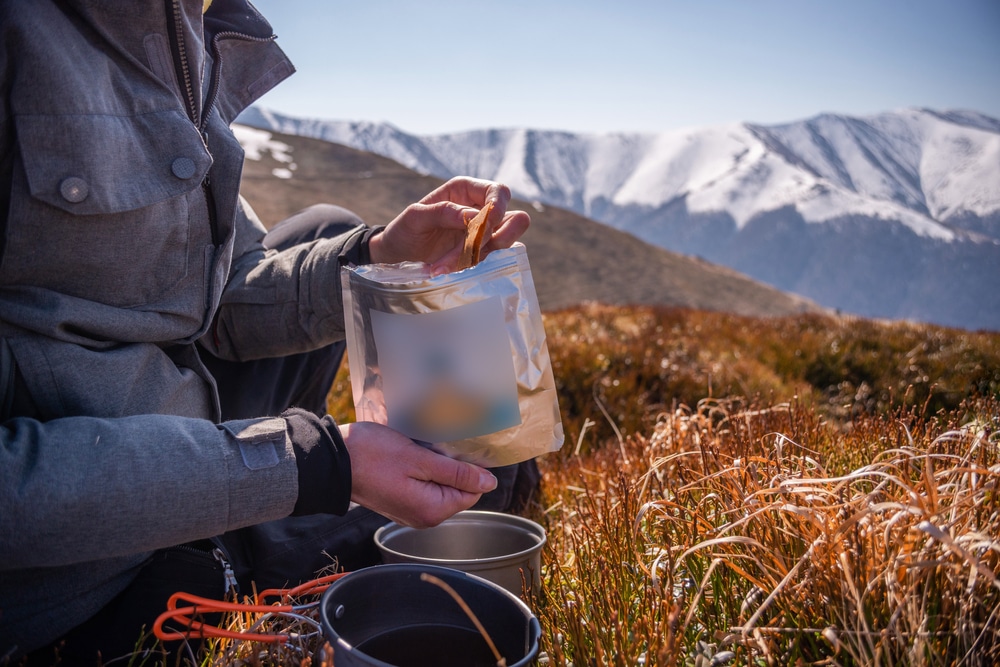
pixel 407 483
pixel 433 229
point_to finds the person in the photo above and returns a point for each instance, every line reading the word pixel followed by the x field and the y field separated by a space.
pixel 163 357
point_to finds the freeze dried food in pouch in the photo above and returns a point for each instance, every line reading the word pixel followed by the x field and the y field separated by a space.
pixel 475 229
pixel 458 362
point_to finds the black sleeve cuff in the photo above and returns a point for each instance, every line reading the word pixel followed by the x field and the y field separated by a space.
pixel 358 253
pixel 323 462
pixel 364 254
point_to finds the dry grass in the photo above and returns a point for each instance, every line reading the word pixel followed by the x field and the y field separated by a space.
pixel 792 491
pixel 719 535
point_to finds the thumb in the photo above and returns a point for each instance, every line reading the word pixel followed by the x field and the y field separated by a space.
pixel 469 478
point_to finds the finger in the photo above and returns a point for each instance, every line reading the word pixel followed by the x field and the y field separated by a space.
pixel 434 467
pixel 497 197
pixel 511 229
pixel 460 189
pixel 439 215
pixel 499 194
pixel 448 486
pixel 468 478
pixel 447 262
pixel 471 192
pixel 454 217
pixel 440 503
pixel 513 226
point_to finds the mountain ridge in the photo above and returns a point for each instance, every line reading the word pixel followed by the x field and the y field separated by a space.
pixel 574 260
pixel 908 202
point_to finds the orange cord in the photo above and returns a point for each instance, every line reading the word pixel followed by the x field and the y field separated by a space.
pixel 314 587
pixel 200 605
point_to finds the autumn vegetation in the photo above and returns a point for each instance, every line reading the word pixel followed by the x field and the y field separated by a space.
pixel 799 490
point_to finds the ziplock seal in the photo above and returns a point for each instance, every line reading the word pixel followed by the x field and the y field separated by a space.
pixel 423 280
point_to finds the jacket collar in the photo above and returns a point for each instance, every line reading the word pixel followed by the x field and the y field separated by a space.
pixel 251 62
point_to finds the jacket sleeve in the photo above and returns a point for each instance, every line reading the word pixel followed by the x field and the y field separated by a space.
pixel 82 488
pixel 282 302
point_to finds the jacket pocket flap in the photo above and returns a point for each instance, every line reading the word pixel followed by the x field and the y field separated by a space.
pixel 262 442
pixel 88 164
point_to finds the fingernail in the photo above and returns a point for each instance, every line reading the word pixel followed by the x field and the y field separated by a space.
pixel 487 480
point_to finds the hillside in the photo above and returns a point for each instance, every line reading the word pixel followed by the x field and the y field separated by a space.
pixel 573 259
pixel 894 215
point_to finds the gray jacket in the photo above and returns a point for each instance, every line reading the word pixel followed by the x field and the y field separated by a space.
pixel 125 255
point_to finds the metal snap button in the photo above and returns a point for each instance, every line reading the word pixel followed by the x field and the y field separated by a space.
pixel 74 189
pixel 183 168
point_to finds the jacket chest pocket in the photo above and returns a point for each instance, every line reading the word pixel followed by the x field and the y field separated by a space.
pixel 107 208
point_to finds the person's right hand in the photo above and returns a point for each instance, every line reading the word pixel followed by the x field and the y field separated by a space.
pixel 433 229
pixel 410 484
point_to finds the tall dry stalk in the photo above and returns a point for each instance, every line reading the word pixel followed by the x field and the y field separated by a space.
pixel 745 546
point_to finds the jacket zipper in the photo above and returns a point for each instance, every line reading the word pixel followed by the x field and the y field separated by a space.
pixel 227 570
pixel 213 90
pixel 213 93
pixel 182 65
pixel 231 585
pixel 175 27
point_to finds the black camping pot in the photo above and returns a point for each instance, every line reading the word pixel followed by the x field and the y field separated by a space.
pixel 387 616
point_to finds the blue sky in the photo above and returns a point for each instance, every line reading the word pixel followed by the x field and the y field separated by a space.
pixel 621 65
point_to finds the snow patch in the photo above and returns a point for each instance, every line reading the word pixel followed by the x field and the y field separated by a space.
pixel 258 143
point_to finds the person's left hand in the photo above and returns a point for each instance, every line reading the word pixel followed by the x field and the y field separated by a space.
pixel 410 484
pixel 433 229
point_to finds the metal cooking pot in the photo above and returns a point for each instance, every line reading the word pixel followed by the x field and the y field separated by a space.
pixel 387 616
pixel 503 548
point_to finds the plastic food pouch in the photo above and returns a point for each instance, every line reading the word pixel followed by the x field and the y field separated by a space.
pixel 458 362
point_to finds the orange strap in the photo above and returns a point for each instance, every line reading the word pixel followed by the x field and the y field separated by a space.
pixel 199 605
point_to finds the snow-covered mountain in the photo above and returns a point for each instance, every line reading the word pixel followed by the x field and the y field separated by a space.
pixel 894 216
